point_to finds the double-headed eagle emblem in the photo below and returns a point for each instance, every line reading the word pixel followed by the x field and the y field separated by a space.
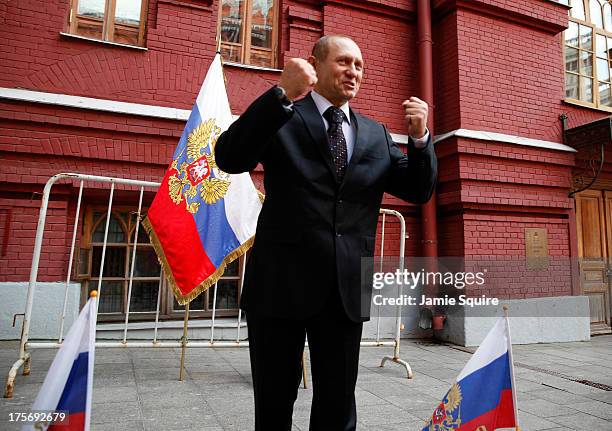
pixel 447 415
pixel 199 174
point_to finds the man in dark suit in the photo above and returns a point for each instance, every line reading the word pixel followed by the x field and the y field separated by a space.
pixel 326 168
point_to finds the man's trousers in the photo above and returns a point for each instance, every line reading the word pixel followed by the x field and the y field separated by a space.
pixel 276 346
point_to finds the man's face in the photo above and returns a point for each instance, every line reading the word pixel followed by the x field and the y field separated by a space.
pixel 339 74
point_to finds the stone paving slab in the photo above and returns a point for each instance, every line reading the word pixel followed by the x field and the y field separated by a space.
pixel 138 389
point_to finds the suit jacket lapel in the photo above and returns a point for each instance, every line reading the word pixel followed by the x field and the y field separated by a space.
pixel 307 109
pixel 361 141
pixel 361 138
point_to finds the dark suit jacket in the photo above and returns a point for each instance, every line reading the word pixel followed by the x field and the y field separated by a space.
pixel 313 232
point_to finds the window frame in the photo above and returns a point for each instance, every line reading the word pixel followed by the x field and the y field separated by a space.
pixel 245 51
pixel 108 23
pixel 594 32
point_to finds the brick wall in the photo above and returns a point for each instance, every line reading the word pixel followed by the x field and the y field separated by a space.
pixel 38 141
pixel 511 77
pixel 497 242
pixel 489 193
pixel 498 66
pixel 505 175
pixel 181 44
pixel 15 264
pixel 447 114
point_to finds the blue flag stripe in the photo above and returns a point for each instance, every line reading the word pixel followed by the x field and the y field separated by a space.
pixel 193 121
pixel 217 237
pixel 74 395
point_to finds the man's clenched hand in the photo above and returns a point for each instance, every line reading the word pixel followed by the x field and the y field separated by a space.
pixel 415 113
pixel 297 77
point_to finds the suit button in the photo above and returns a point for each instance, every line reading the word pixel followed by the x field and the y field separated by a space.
pixel 338 234
pixel 339 201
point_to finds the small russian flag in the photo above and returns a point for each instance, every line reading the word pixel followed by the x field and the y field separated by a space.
pixel 69 381
pixel 484 395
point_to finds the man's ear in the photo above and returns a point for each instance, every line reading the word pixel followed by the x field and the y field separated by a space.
pixel 313 61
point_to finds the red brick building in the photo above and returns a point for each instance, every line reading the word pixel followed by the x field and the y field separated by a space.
pixel 104 86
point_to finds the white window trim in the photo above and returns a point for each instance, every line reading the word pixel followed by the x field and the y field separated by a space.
pixel 105 42
pixel 94 104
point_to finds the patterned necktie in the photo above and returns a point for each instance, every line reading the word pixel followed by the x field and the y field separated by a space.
pixel 337 142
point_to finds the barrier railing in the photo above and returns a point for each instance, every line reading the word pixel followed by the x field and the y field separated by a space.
pixel 25 345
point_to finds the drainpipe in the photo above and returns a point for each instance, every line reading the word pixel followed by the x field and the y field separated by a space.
pixel 429 223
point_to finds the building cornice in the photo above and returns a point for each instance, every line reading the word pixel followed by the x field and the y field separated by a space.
pixel 168 113
pixel 501 137
pixel 104 105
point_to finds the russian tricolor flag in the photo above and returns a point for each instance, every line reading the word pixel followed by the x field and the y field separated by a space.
pixel 69 381
pixel 202 218
pixel 483 396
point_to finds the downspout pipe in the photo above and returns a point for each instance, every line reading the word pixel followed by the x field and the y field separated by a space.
pixel 429 224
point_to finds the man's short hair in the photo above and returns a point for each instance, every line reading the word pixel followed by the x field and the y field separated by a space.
pixel 321 46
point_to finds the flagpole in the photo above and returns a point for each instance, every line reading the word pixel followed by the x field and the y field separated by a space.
pixel 184 342
pixel 218 52
pixel 514 394
pixel 93 319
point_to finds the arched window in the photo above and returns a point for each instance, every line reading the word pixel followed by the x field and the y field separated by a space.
pixel 588 53
pixel 577 10
pixel 596 13
pixel 146 283
pixel 117 264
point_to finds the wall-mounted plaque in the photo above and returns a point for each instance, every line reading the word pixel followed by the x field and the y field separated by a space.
pixel 536 248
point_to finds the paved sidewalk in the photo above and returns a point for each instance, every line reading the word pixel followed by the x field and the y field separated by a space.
pixel 137 389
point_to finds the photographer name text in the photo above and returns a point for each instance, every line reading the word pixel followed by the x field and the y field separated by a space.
pixel 445 300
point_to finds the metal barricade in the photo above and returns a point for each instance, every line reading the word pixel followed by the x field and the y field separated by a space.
pixel 398 318
pixel 24 359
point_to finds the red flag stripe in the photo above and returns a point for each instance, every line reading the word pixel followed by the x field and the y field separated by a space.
pixel 500 417
pixel 182 243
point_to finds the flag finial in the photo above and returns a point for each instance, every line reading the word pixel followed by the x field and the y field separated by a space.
pixel 93 293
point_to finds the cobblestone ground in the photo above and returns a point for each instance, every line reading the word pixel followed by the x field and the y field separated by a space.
pixel 138 389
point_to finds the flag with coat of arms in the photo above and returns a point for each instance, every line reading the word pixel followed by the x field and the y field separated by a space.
pixel 483 398
pixel 67 388
pixel 202 218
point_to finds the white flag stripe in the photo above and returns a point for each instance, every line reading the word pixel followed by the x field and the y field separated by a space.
pixel 79 339
pixel 242 206
pixel 212 99
pixel 494 345
pixel 242 203
pixel 56 378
